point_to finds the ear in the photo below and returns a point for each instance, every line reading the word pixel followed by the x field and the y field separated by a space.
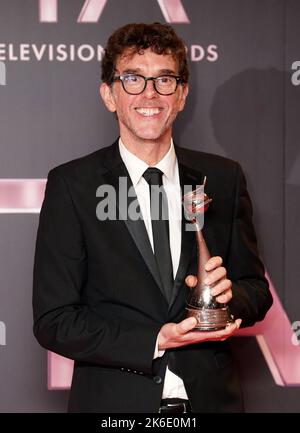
pixel 184 93
pixel 107 97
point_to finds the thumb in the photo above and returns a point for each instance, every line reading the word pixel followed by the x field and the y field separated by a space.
pixel 187 325
pixel 191 280
pixel 238 322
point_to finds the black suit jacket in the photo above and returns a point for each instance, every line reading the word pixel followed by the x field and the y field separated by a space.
pixel 97 296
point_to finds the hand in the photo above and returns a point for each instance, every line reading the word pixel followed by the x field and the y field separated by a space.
pixel 216 277
pixel 181 334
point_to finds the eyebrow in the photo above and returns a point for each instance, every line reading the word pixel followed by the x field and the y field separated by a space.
pixel 158 73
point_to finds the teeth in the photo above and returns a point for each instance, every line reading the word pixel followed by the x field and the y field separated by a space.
pixel 148 111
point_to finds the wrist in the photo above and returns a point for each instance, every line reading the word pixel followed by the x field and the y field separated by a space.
pixel 161 340
pixel 158 352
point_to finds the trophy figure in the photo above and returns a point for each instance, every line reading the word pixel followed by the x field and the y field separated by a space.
pixel 210 314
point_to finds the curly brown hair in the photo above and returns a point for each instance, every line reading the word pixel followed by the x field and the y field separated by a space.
pixel 160 38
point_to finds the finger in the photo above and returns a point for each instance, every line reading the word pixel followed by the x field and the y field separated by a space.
pixel 213 262
pixel 230 328
pixel 215 275
pixel 222 334
pixel 225 297
pixel 186 325
pixel 191 280
pixel 221 287
pixel 238 322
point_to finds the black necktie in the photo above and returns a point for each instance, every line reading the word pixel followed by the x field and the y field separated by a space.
pixel 160 228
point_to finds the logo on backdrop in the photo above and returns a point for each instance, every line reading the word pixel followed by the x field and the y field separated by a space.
pixel 172 10
pixel 296 75
pixel 2 334
pixel 91 12
pixel 2 74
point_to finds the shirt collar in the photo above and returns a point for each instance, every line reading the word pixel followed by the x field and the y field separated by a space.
pixel 136 167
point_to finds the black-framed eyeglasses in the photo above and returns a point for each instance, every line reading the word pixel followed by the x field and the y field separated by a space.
pixel 135 84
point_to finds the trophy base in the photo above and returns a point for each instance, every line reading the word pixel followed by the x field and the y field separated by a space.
pixel 212 319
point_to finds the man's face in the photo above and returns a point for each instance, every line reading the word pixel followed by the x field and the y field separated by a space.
pixel 148 116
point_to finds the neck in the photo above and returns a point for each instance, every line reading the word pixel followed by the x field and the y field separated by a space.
pixel 151 152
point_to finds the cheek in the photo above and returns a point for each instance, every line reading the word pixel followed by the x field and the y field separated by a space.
pixel 177 106
pixel 121 107
pixel 123 104
pixel 125 113
pixel 121 101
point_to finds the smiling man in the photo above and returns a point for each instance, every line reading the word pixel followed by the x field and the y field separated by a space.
pixel 111 293
pixel 146 107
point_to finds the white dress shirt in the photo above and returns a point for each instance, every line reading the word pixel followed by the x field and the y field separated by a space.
pixel 173 385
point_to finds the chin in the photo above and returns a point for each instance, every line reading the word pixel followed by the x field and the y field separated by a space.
pixel 150 136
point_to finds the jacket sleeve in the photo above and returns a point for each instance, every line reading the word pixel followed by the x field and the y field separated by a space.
pixel 63 323
pixel 251 296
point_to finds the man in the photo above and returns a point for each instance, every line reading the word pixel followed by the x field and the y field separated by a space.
pixel 101 291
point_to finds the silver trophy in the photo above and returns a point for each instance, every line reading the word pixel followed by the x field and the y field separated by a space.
pixel 210 314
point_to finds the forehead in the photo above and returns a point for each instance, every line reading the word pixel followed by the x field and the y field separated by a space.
pixel 146 61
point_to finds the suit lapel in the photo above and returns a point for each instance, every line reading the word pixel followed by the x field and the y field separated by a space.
pixel 116 170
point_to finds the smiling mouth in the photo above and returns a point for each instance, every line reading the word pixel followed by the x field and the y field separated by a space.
pixel 148 112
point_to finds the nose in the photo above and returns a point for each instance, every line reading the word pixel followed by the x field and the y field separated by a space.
pixel 150 89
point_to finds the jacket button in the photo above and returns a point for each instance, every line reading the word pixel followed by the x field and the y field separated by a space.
pixel 157 379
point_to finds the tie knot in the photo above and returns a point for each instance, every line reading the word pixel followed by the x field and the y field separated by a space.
pixel 153 176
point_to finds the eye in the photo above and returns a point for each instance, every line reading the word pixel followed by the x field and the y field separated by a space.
pixel 131 79
pixel 165 80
